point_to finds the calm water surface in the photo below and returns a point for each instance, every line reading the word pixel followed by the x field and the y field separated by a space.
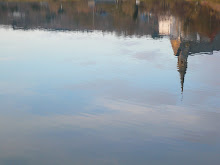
pixel 110 83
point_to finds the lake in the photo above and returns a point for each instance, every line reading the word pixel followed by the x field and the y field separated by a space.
pixel 108 82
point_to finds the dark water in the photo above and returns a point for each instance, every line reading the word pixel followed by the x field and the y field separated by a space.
pixel 110 83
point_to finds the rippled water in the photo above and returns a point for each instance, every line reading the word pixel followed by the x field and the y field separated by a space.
pixel 110 83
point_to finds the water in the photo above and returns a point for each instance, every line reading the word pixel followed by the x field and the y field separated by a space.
pixel 110 83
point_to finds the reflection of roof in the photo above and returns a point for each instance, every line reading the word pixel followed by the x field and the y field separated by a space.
pixel 175 45
pixel 196 47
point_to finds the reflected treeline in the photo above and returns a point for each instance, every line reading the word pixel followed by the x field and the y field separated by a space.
pixel 192 26
pixel 151 17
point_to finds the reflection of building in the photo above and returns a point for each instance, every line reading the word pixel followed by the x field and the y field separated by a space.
pixel 18 15
pixel 185 44
pixel 182 48
pixel 91 3
pixel 164 25
pixel 170 26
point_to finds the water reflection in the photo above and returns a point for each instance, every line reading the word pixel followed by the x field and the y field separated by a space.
pixel 193 27
pixel 153 18
pixel 95 82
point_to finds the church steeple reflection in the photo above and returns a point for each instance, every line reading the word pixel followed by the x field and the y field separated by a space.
pixel 183 47
pixel 182 54
pixel 181 50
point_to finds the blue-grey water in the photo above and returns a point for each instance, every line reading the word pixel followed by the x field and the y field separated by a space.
pixel 108 83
